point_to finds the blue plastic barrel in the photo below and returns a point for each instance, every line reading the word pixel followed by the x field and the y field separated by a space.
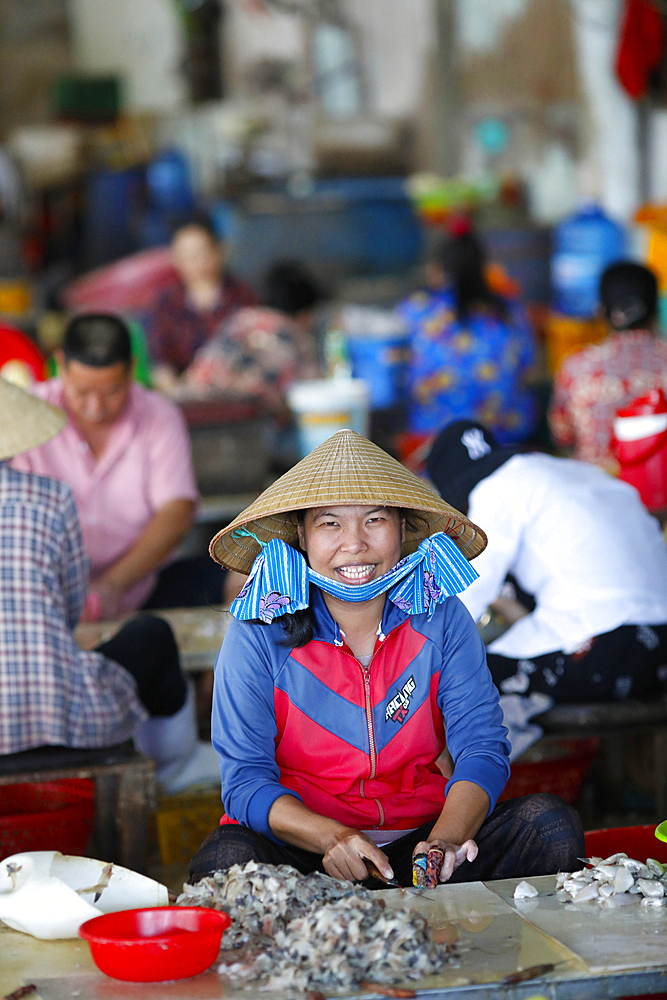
pixel 382 361
pixel 170 184
pixel 111 201
pixel 583 246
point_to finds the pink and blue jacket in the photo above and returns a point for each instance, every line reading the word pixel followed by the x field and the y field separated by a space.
pixel 356 744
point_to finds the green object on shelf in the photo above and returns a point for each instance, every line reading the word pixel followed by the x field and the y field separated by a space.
pixel 141 359
pixel 87 98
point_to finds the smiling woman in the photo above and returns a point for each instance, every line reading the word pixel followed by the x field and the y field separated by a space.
pixel 352 543
pixel 349 658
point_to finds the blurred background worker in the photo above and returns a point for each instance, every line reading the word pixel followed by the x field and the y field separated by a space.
pixel 581 545
pixel 188 312
pixel 52 693
pixel 125 454
pixel 472 350
pixel 261 350
pixel 596 381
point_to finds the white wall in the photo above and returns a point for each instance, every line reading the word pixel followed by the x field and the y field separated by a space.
pixel 396 39
pixel 480 23
pixel 255 33
pixel 141 40
pixel 657 140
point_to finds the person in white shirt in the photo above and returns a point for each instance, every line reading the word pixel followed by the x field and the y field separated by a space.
pixel 586 551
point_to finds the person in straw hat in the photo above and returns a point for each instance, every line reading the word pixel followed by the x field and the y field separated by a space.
pixel 348 660
pixel 52 693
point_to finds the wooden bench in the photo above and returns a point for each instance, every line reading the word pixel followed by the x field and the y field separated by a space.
pixel 124 793
pixel 615 723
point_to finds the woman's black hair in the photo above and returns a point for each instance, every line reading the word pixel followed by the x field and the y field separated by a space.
pixel 299 626
pixel 629 295
pixel 463 259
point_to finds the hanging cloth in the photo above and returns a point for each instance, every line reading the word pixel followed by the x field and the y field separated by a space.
pixel 641 46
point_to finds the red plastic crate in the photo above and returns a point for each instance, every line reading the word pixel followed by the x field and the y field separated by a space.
pixel 559 766
pixel 46 816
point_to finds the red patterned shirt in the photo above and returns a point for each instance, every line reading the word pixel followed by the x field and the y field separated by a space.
pixel 594 383
pixel 258 353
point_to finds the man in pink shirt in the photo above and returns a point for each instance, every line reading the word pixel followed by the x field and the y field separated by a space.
pixel 125 454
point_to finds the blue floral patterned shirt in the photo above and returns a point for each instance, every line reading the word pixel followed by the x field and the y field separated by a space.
pixel 475 370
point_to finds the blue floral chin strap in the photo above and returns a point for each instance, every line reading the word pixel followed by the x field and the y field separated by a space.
pixel 280 577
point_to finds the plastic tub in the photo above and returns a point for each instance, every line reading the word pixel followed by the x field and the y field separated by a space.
pixel 559 766
pixel 638 842
pixel 230 442
pixel 382 361
pixel 155 944
pixel 46 816
pixel 639 442
pixel 323 406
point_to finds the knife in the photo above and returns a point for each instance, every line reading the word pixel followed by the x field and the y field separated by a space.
pixel 376 873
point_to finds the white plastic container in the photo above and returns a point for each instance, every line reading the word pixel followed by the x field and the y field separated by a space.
pixel 323 406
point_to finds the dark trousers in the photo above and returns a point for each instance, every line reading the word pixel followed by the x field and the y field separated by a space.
pixel 629 662
pixel 146 647
pixel 532 835
pixel 194 582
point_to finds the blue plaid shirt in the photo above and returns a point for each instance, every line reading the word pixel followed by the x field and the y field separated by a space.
pixel 51 692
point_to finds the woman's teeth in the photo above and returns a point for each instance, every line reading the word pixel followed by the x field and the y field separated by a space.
pixel 354 573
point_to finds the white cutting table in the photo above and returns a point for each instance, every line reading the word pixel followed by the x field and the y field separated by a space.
pixel 597 953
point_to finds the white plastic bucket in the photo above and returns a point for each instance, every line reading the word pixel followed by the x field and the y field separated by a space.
pixel 323 406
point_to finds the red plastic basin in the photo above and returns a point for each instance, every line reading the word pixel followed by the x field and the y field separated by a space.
pixel 151 945
pixel 638 842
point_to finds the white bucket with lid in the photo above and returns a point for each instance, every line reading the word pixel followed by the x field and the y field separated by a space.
pixel 323 406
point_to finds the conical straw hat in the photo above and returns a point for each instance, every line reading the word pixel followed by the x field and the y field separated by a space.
pixel 25 420
pixel 346 469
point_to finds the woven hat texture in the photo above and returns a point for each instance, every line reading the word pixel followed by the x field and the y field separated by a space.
pixel 346 469
pixel 25 420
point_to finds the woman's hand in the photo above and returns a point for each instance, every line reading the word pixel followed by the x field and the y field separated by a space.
pixel 344 857
pixel 343 849
pixel 455 854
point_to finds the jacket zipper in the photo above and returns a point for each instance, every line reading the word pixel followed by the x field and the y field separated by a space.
pixel 366 672
pixel 369 720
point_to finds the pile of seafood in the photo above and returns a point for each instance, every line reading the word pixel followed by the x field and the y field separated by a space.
pixel 311 931
pixel 615 881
